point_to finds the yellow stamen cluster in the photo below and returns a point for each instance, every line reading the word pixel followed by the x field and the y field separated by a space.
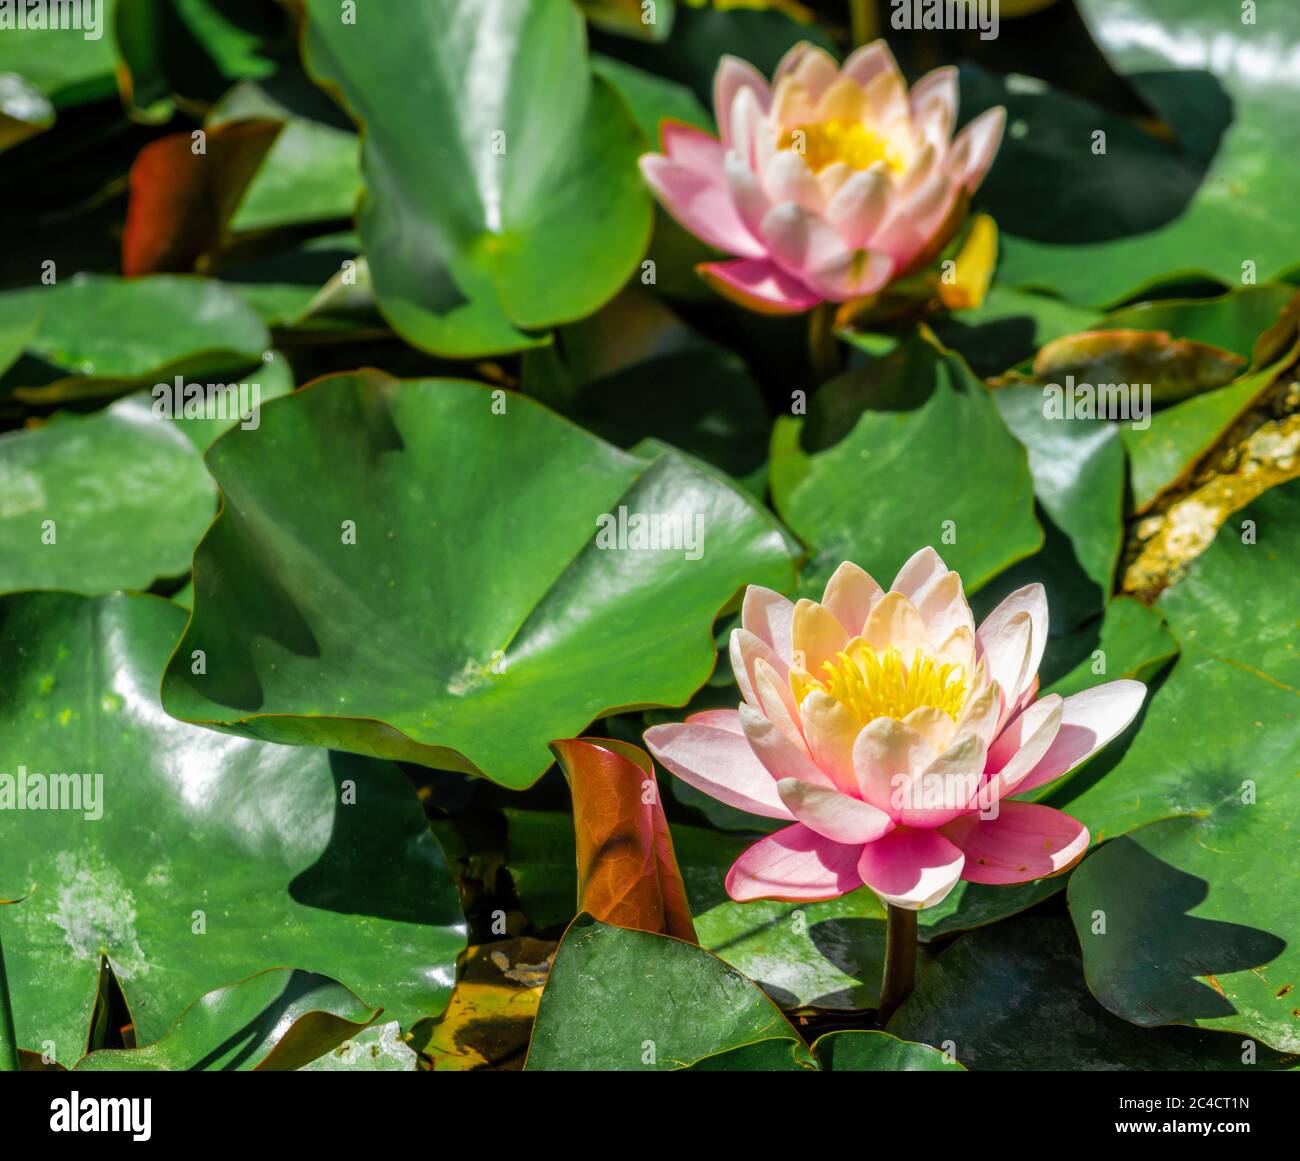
pixel 836 140
pixel 879 685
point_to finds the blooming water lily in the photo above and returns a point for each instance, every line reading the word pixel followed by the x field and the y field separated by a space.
pixel 828 184
pixel 891 733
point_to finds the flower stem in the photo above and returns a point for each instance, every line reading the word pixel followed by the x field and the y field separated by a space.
pixel 900 959
pixel 863 21
pixel 823 351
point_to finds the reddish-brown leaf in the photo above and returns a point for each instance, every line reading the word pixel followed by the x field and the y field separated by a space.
pixel 181 200
pixel 627 871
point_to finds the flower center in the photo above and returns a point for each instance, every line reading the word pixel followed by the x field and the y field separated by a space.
pixel 836 140
pixel 879 685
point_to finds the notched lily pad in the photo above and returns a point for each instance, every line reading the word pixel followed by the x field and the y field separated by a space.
pixel 276 1021
pixel 1174 368
pixel 352 592
pixel 185 857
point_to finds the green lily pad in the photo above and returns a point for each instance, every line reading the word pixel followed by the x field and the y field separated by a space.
pixel 1209 205
pixel 931 462
pixel 1011 998
pixel 24 111
pixel 879 1052
pixel 1009 326
pixel 196 858
pixel 19 323
pixel 190 51
pixel 826 955
pixel 652 99
pixel 848 1051
pixel 283 286
pixel 312 172
pixel 1211 938
pixel 523 208
pixel 1238 669
pixel 630 17
pixel 1131 641
pixel 270 378
pixel 598 1014
pixel 1078 471
pixel 774 1055
pixel 1232 321
pixel 111 500
pixel 68 65
pixel 375 614
pixel 277 1020
pixel 1248 323
pixel 809 955
pixel 97 329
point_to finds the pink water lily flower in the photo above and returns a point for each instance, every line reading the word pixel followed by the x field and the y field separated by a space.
pixel 889 732
pixel 828 184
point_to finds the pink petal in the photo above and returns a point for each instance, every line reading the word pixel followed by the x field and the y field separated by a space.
pixel 746 193
pixel 895 623
pixel 746 125
pixel 868 62
pixel 733 75
pixel 788 179
pixel 1020 747
pixel 937 593
pixel 1089 720
pixel 944 610
pixel 794 864
pixel 745 651
pixel 924 568
pixel 720 719
pixel 916 220
pixel 769 616
pixel 817 636
pixel 815 69
pixel 979 717
pixel 693 148
pixel 701 204
pixel 975 148
pixel 776 699
pixel 944 790
pixel 830 731
pixel 1000 639
pixel 887 755
pixel 782 755
pixel 833 815
pixel 886 97
pixel 1026 841
pixel 919 172
pixel 934 105
pixel 850 595
pixel 911 868
pixel 759 285
pixel 799 58
pixel 860 205
pixel 800 241
pixel 719 764
pixel 854 274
